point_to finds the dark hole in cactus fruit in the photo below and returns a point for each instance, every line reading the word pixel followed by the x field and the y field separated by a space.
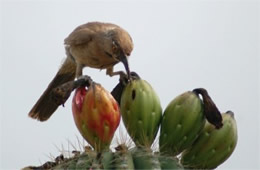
pixel 133 94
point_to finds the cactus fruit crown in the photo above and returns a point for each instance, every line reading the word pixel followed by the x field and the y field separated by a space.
pixel 211 111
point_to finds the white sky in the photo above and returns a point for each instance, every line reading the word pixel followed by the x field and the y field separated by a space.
pixel 179 46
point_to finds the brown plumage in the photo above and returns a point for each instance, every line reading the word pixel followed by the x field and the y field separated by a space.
pixel 97 45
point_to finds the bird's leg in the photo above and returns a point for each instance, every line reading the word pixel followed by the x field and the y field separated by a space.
pixel 79 70
pixel 111 73
pixel 61 93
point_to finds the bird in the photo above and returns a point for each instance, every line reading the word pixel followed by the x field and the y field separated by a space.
pixel 94 44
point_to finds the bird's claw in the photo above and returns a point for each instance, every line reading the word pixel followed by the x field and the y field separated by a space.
pixel 61 93
pixel 83 81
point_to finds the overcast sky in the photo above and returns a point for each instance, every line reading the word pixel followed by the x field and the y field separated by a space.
pixel 179 46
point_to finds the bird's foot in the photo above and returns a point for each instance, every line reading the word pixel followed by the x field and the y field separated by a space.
pixel 61 93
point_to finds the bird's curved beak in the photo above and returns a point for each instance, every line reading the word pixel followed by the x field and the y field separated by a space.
pixel 124 60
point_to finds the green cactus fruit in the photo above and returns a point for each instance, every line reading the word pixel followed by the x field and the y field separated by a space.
pixel 213 146
pixel 168 162
pixel 96 114
pixel 141 112
pixel 144 158
pixel 123 158
pixel 182 121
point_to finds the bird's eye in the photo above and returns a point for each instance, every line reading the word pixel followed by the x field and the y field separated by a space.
pixel 114 46
pixel 114 43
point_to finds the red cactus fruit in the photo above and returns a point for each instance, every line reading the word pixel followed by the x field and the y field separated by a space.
pixel 96 114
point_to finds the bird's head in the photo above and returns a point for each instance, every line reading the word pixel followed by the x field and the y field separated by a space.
pixel 120 46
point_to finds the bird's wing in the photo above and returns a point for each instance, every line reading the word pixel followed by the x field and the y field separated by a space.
pixel 84 33
pixel 79 36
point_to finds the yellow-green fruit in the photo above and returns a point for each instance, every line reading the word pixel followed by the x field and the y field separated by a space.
pixel 141 111
pixel 183 120
pixel 213 146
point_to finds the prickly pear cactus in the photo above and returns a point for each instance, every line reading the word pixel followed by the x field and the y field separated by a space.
pixel 141 112
pixel 96 115
pixel 182 121
pixel 184 134
pixel 213 146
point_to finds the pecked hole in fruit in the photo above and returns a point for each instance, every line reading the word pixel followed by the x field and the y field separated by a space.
pixel 133 94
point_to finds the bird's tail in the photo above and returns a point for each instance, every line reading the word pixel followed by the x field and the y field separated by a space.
pixel 46 105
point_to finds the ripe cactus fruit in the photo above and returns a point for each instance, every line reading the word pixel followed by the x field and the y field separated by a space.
pixel 141 111
pixel 96 115
pixel 182 121
pixel 213 146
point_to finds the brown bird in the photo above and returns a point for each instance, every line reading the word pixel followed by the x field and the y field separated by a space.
pixel 96 45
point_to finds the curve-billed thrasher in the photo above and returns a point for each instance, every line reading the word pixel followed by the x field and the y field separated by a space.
pixel 97 45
